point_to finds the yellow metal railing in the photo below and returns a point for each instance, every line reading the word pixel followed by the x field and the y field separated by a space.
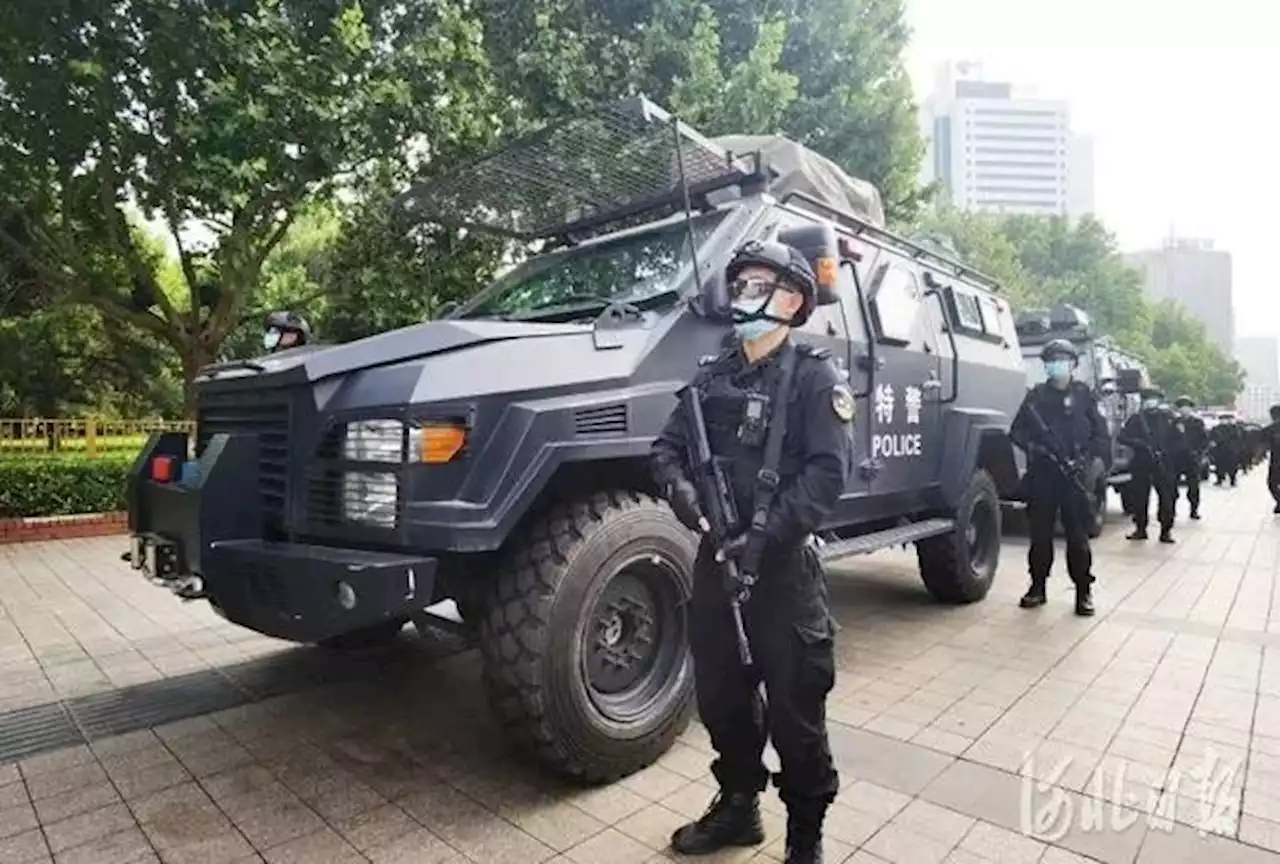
pixel 88 436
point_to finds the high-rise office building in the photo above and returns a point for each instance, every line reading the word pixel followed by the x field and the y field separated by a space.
pixel 1259 356
pixel 993 149
pixel 1196 275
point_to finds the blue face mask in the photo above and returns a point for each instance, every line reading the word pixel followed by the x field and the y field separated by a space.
pixel 749 331
pixel 1058 370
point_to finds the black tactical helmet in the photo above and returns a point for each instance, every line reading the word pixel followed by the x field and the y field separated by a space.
pixel 790 265
pixel 1184 400
pixel 1152 393
pixel 285 319
pixel 1059 348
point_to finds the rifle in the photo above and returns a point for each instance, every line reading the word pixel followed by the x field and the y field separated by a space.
pixel 1070 469
pixel 1157 455
pixel 715 496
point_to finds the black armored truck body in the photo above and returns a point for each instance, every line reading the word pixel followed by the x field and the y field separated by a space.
pixel 499 456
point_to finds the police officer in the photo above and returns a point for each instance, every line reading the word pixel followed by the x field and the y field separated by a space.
pixel 1191 443
pixel 1270 435
pixel 1150 433
pixel 285 329
pixel 1061 428
pixel 786 616
pixel 1227 441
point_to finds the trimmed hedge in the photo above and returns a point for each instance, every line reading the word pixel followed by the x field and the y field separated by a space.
pixel 63 484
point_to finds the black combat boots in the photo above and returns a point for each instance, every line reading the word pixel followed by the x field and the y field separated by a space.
pixel 1084 602
pixel 804 840
pixel 1034 597
pixel 733 819
pixel 1166 537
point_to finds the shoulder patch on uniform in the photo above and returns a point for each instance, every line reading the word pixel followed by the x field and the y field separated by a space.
pixel 842 403
pixel 814 351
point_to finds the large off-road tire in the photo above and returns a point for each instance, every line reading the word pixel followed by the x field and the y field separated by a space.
pixel 584 637
pixel 959 566
pixel 374 636
pixel 1098 511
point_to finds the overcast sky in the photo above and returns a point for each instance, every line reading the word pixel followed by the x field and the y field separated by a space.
pixel 1181 98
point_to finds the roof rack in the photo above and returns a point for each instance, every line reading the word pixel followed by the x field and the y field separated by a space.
pixel 607 164
pixel 907 247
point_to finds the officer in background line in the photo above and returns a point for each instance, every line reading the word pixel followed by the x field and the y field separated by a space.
pixel 285 329
pixel 1227 443
pixel 1150 433
pixel 1061 428
pixel 1270 435
pixel 786 616
pixel 1191 444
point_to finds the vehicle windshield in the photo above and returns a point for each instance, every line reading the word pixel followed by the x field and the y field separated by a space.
pixel 634 268
pixel 1036 374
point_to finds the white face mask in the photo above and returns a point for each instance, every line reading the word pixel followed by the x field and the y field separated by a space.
pixel 1150 404
pixel 1185 411
pixel 271 339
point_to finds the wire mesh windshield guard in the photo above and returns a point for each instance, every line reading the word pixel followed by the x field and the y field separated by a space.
pixel 616 161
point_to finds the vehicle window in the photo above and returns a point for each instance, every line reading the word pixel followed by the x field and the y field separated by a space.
pixel 968 312
pixel 632 268
pixel 992 320
pixel 895 303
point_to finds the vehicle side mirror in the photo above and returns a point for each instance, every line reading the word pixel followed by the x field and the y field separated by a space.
pixel 713 297
pixel 446 309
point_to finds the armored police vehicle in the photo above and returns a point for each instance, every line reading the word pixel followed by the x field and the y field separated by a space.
pixel 500 456
pixel 1116 376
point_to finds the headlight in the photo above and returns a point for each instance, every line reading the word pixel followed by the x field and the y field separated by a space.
pixel 433 442
pixel 371 497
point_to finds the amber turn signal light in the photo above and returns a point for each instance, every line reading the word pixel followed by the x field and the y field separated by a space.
pixel 441 442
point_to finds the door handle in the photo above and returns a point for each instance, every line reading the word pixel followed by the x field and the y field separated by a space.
pixel 931 384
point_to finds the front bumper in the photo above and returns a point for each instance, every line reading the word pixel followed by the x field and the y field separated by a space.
pixel 202 540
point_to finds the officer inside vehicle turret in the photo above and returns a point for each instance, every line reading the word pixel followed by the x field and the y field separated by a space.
pixel 285 329
pixel 1151 435
pixel 779 410
pixel 1061 429
pixel 1191 447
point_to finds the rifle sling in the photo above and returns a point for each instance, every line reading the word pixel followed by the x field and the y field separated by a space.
pixel 767 479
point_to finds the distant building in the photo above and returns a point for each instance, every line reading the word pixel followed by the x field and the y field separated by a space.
pixel 1196 275
pixel 997 151
pixel 1259 356
pixel 1254 403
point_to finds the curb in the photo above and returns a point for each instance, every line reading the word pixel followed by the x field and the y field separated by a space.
pixel 35 528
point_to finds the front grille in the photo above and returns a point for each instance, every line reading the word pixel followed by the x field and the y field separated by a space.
pixel 265 414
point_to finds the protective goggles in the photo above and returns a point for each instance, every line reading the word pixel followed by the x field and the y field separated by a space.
pixel 755 289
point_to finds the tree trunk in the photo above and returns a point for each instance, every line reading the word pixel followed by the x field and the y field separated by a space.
pixel 194 358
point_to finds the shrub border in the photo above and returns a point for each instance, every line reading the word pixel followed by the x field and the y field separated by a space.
pixel 32 529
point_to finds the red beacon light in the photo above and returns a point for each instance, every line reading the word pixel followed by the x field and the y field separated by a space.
pixel 162 469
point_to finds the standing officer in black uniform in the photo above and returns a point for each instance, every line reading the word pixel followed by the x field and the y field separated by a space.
pixel 1191 443
pixel 786 614
pixel 1227 439
pixel 285 329
pixel 1151 435
pixel 1270 435
pixel 1062 431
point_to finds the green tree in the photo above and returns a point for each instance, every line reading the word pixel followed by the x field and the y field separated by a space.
pixel 221 119
pixel 828 73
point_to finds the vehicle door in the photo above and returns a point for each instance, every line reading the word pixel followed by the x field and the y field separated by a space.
pixel 905 416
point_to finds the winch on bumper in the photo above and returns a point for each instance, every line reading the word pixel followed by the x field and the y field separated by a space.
pixel 196 528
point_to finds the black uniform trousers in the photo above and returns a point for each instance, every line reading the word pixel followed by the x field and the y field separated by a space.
pixel 1050 497
pixel 1165 485
pixel 1188 469
pixel 790 631
pixel 1273 478
pixel 1226 464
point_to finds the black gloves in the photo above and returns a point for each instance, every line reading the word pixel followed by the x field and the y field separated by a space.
pixel 683 499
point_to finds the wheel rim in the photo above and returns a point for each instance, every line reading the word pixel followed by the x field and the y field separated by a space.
pixel 980 535
pixel 632 644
